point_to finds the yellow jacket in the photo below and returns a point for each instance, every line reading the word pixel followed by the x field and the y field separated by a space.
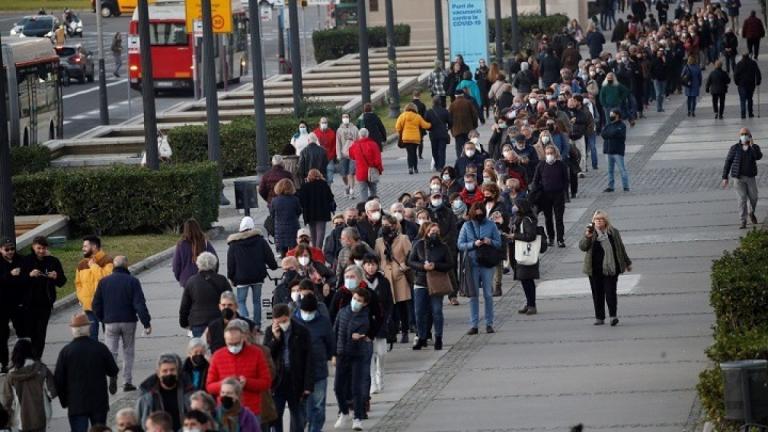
pixel 87 277
pixel 409 126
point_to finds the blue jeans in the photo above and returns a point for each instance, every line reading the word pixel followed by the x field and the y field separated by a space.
pixel 198 330
pixel 242 297
pixel 366 190
pixel 661 88
pixel 692 104
pixel 315 409
pixel 424 303
pixel 592 146
pixel 79 423
pixel 438 154
pixel 330 171
pixel 94 327
pixel 614 159
pixel 483 278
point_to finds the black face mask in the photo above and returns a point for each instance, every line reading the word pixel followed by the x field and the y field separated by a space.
pixel 433 238
pixel 479 217
pixel 198 359
pixel 169 381
pixel 386 231
pixel 352 222
pixel 227 314
pixel 227 402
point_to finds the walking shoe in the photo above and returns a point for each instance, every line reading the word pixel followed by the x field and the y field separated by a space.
pixel 489 329
pixel 454 301
pixel 112 385
pixel 417 345
pixel 497 292
pixel 128 387
pixel 743 225
pixel 410 171
pixel 551 243
pixel 531 311
pixel 357 424
pixel 608 190
pixel 614 321
pixel 341 421
pixel 582 175
pixel 561 244
pixel 626 189
pixel 472 331
pixel 438 343
pixel 753 218
pixel 599 322
pixel 522 310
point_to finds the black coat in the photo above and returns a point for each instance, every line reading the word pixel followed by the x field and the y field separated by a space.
pixel 41 291
pixel 440 119
pixel 11 287
pixel 188 370
pixel 317 201
pixel 523 82
pixel 83 390
pixel 200 301
pixel 383 293
pixel 659 69
pixel 376 129
pixel 439 254
pixel 717 82
pixel 313 156
pixel 614 138
pixel 528 224
pixel 285 211
pixel 215 333
pixel 301 370
pixel 248 257
pixel 747 74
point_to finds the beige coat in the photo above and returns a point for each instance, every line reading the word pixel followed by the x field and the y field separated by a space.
pixel 401 248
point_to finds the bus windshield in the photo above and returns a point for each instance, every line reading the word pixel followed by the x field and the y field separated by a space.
pixel 167 34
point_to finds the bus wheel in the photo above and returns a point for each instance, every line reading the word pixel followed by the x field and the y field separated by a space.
pixel 51 131
pixel 26 137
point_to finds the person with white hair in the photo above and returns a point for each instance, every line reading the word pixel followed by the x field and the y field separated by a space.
pixel 195 366
pixel 200 301
pixel 272 177
pixel 126 418
pixel 313 156
pixel 367 156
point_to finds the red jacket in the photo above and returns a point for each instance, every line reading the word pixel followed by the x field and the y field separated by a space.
pixel 316 254
pixel 251 364
pixel 470 199
pixel 327 140
pixel 753 28
pixel 365 152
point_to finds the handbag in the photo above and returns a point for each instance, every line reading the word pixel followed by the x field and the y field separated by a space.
pixel 400 143
pixel 487 255
pixel 527 253
pixel 373 172
pixel 406 271
pixel 438 283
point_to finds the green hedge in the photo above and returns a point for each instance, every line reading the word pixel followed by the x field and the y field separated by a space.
pixel 123 199
pixel 238 152
pixel 739 297
pixel 30 159
pixel 336 43
pixel 529 27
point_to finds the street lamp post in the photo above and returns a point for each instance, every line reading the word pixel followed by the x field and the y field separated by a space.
pixel 298 90
pixel 394 92
pixel 515 28
pixel 7 227
pixel 148 88
pixel 439 32
pixel 103 109
pixel 365 72
pixel 498 30
pixel 543 4
pixel 209 84
pixel 258 88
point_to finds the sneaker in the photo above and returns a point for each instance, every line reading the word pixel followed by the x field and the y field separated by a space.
pixel 743 225
pixel 357 424
pixel 561 244
pixel 599 322
pixel 438 343
pixel 489 329
pixel 128 387
pixel 608 190
pixel 341 421
pixel 417 345
pixel 582 175
pixel 472 331
pixel 531 311
pixel 523 310
pixel 614 322
pixel 626 189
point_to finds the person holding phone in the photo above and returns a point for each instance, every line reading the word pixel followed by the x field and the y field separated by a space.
pixel 605 259
pixel 741 164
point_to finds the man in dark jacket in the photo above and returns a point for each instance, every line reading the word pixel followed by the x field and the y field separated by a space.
pixel 81 371
pixel 549 65
pixel 421 109
pixel 741 164
pixel 747 76
pixel 753 30
pixel 717 86
pixel 463 119
pixel 595 42
pixel 639 9
pixel 119 299
pixel 291 348
pixel 323 345
pixel 229 311
pixel 271 177
pixel 369 225
pixel 165 390
pixel 614 137
pixel 312 156
pixel 199 302
pixel 11 289
pixel 659 72
pixel 43 273
pixel 730 48
pixel 248 258
pixel 372 122
pixel 439 136
pixel 470 157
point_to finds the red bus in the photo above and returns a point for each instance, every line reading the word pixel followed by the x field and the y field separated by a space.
pixel 173 48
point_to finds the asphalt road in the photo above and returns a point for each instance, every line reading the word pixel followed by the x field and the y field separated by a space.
pixel 81 101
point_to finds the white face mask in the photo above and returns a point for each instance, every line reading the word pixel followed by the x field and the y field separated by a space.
pixel 545 139
pixel 359 263
pixel 550 159
pixel 507 154
pixel 434 187
pixel 308 316
pixel 437 202
pixel 399 216
pixel 487 180
pixel 323 126
pixel 191 430
pixel 295 296
pixel 744 139
pixel 532 101
pixel 469 153
pixel 285 326
pixel 356 305
pixel 235 349
pixel 446 177
pixel 420 222
pixel 345 120
pixel 304 260
pixel 375 216
pixel 470 186
pixel 302 130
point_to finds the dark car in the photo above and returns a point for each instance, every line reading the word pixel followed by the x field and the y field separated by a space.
pixel 39 26
pixel 76 62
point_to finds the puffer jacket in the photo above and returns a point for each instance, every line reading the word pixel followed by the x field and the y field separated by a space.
pixel 285 211
pixel 248 257
pixel 88 276
pixel 424 250
pixel 200 301
pixel 409 126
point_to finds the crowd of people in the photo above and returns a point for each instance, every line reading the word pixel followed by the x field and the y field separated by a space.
pixel 382 274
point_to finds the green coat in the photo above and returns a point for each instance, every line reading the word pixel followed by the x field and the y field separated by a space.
pixel 622 260
pixel 612 96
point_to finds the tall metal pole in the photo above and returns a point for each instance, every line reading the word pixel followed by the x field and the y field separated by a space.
pixel 439 32
pixel 7 227
pixel 543 4
pixel 281 32
pixel 298 89
pixel 498 30
pixel 103 108
pixel 258 88
pixel 365 72
pixel 394 92
pixel 515 27
pixel 209 84
pixel 147 88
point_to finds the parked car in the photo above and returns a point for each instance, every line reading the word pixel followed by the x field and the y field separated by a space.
pixel 76 63
pixel 39 26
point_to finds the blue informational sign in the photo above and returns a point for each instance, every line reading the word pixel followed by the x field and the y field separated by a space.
pixel 468 27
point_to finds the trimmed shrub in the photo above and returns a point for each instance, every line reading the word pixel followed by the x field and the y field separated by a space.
pixel 30 159
pixel 529 26
pixel 124 199
pixel 336 43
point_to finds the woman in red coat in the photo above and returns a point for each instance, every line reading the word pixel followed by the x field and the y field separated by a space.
pixel 366 154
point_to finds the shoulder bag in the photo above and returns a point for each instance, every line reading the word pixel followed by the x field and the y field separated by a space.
pixel 438 283
pixel 487 256
pixel 527 253
pixel 373 172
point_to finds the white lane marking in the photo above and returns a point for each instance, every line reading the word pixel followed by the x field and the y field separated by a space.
pixel 93 89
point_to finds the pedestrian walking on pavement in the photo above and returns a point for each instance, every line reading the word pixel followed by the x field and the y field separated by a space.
pixel 439 134
pixel 346 134
pixel 393 248
pixel 525 230
pixel 323 346
pixel 318 205
pixel 312 157
pixel 11 309
pixel 94 266
pixel 614 145
pixel 741 164
pixel 117 52
pixel 464 119
pixel 285 210
pixel 81 375
pixel 717 86
pixel 214 334
pixel 605 259
pixel 326 137
pixel 193 242
pixel 376 130
pixel 165 390
pixel 44 274
pixel 28 389
pixel 692 79
pixel 119 300
pixel 747 76
pixel 730 49
pixel 366 154
pixel 200 300
pixel 733 7
pixel 409 126
pixel 248 258
pixel 753 30
pixel 549 189
pixel 381 289
pixel 480 239
pixel 436 82
pixel 300 139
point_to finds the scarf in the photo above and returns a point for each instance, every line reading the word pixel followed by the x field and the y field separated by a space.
pixel 609 260
pixel 230 419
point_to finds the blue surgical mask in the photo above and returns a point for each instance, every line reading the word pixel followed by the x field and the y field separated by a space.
pixel 351 284
pixel 356 306
pixel 308 316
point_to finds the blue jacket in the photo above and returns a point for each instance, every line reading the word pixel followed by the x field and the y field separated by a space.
pixel 119 299
pixel 472 231
pixel 323 343
pixel 347 323
pixel 285 211
pixel 695 73
pixel 474 90
pixel 614 138
pixel 560 140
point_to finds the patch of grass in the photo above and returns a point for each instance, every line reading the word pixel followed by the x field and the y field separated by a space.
pixel 51 6
pixel 135 247
pixel 383 110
